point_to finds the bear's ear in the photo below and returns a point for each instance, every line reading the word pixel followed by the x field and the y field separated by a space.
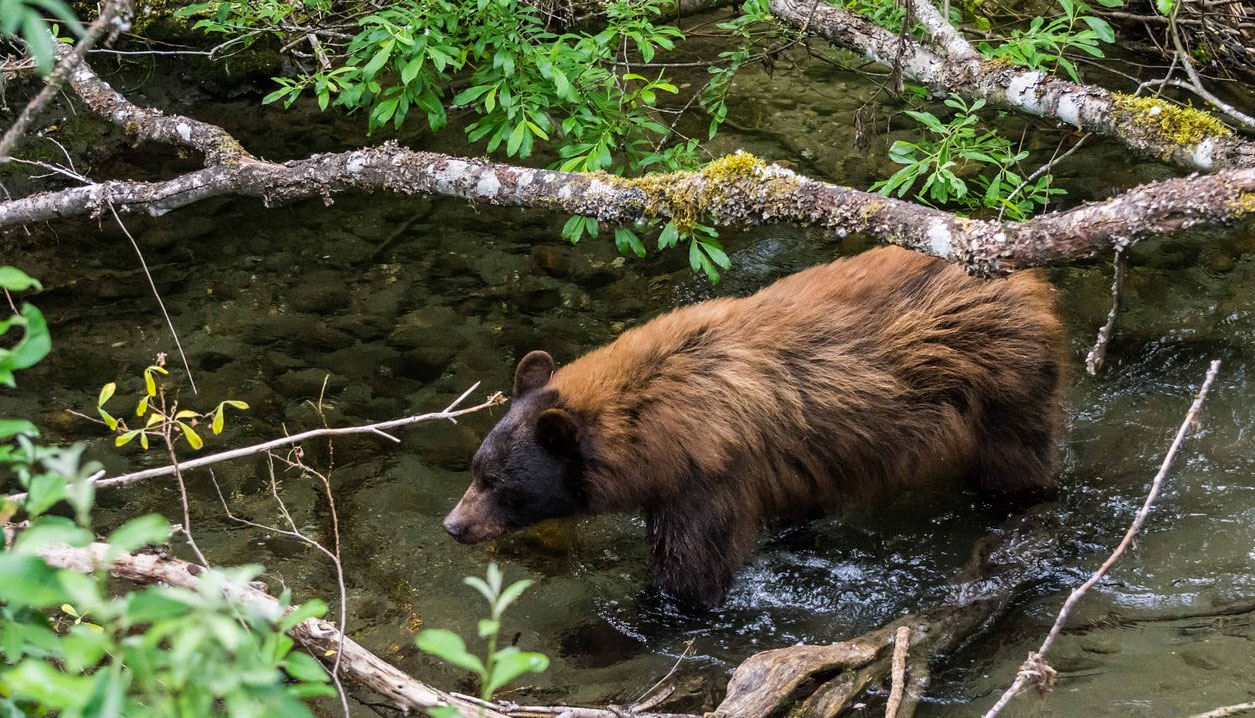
pixel 557 432
pixel 533 372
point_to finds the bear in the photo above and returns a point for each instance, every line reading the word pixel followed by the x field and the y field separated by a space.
pixel 838 384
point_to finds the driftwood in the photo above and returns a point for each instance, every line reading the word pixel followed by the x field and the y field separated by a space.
pixel 823 681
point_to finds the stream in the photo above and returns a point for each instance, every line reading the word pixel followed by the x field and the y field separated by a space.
pixel 400 304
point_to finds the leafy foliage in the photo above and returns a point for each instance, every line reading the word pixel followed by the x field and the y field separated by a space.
pixel 161 420
pixel 965 166
pixel 71 649
pixel 499 666
pixel 26 19
pixel 1042 46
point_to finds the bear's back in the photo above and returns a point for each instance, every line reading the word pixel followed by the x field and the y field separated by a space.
pixel 846 379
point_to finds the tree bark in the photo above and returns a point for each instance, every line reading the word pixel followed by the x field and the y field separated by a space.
pixel 735 191
pixel 1188 138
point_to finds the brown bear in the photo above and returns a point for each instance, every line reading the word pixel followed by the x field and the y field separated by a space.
pixel 841 382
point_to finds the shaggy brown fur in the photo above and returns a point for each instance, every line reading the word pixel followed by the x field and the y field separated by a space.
pixel 862 376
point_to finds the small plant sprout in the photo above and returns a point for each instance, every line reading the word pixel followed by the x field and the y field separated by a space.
pixel 499 667
pixel 161 419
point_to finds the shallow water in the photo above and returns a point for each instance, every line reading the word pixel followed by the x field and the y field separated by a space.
pixel 404 303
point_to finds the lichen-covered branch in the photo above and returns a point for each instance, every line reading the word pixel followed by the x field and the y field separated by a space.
pixel 1188 138
pixel 143 123
pixel 738 190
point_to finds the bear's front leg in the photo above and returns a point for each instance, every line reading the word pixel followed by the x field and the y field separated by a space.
pixel 699 545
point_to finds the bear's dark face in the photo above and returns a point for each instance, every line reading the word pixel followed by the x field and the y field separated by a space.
pixel 530 466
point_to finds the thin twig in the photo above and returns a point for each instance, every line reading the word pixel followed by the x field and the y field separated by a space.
pixel 169 322
pixel 1035 664
pixel 901 644
pixel 1227 711
pixel 448 414
pixel 114 17
pixel 1094 361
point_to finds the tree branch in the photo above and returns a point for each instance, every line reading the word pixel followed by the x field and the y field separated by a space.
pixel 449 414
pixel 1149 127
pixel 114 17
pixel 736 190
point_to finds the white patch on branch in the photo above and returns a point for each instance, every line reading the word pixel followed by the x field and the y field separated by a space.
pixel 939 239
pixel 1069 110
pixel 488 185
pixel 1203 153
pixel 1022 92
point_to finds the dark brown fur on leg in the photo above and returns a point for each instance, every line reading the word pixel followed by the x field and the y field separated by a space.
pixel 698 546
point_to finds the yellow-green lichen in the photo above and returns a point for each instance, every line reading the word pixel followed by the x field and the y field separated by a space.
pixel 1243 205
pixel 688 198
pixel 1176 125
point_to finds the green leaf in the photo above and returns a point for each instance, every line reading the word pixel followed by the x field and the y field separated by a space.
pixel 312 608
pixel 15 280
pixel 193 439
pixel 106 392
pixel 139 531
pixel 510 663
pixel 40 682
pixel 17 427
pixel 511 593
pixel 28 581
pixel 1101 28
pixel 488 627
pixel 516 138
pixel 304 667
pixel 627 241
pixel 51 531
pixel 449 646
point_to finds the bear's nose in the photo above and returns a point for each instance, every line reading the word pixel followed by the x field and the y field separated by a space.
pixel 456 528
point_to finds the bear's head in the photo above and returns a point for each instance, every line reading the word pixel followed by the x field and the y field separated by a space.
pixel 530 466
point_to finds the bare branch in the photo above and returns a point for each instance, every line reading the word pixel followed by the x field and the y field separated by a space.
pixel 1035 664
pixel 942 32
pixel 449 414
pixel 901 644
pixel 1227 711
pixel 114 17
pixel 1093 362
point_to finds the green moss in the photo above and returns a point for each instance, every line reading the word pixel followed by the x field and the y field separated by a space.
pixel 690 197
pixel 1179 126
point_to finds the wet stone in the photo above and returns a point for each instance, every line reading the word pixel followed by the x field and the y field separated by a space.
pixel 367 327
pixel 308 383
pixel 1101 643
pixel 319 292
pixel 303 329
pixel 554 261
pixel 423 363
pixel 362 361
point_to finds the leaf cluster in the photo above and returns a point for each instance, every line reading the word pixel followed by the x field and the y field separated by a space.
pixel 499 666
pixel 71 649
pixel 958 163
